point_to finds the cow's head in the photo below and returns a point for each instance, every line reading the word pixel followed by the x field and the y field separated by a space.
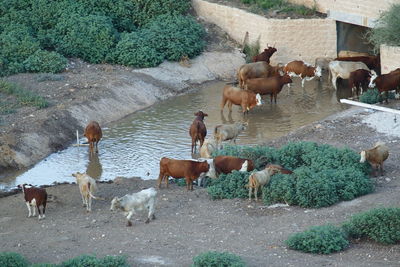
pixel 201 114
pixel 318 71
pixel 372 83
pixel 270 50
pixel 286 79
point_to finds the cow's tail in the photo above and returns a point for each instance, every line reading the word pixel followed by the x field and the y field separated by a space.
pixel 91 195
pixel 253 182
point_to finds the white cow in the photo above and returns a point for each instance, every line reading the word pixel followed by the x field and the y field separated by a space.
pixel 145 199
pixel 225 132
pixel 342 69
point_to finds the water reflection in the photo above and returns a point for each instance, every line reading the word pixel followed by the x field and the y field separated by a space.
pixel 94 168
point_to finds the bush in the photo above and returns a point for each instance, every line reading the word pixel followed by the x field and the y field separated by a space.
pixel 387 30
pixel 372 96
pixel 12 259
pixel 217 259
pixel 24 97
pixel 90 260
pixel 232 185
pixel 16 45
pixel 45 61
pixel 323 239
pixel 323 175
pixel 89 37
pixel 380 224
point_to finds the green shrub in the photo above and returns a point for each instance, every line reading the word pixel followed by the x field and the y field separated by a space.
pixel 12 259
pixel 372 96
pixel 251 50
pixel 387 29
pixel 175 36
pixel 217 259
pixel 45 61
pixel 380 224
pixel 88 37
pixel 133 50
pixel 232 185
pixel 43 265
pixel 323 239
pixel 281 6
pixel 323 175
pixel 16 45
pixel 90 260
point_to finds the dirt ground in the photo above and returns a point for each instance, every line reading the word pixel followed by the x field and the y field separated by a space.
pixel 188 223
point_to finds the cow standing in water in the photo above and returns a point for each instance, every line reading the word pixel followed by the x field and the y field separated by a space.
pixel 93 134
pixel 303 70
pixel 198 130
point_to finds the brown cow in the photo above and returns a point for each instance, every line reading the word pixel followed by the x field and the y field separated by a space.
pixel 244 98
pixel 386 82
pixel 188 169
pixel 359 79
pixel 372 62
pixel 266 55
pixel 268 86
pixel 279 168
pixel 198 130
pixel 227 164
pixel 93 134
pixel 259 69
pixel 303 70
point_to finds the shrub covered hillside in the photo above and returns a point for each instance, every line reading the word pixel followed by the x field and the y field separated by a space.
pixel 37 35
pixel 323 175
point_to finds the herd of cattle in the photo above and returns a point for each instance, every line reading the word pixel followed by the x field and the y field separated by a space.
pixel 255 79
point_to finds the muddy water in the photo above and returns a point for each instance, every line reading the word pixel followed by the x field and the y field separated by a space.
pixel 134 145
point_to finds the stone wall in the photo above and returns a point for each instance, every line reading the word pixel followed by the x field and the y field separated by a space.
pixel 390 58
pixel 304 39
pixel 360 12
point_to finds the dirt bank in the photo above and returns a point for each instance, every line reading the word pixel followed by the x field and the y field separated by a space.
pixel 189 223
pixel 104 93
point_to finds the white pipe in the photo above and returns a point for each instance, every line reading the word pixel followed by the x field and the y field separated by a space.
pixel 351 102
pixel 77 137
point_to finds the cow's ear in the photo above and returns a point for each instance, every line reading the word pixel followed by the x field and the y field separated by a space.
pixel 205 114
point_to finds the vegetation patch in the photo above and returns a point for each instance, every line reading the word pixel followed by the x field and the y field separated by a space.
pixel 323 239
pixel 11 259
pixel 23 97
pixel 372 96
pixel 381 225
pixel 217 259
pixel 132 33
pixel 387 30
pixel 279 6
pixel 323 175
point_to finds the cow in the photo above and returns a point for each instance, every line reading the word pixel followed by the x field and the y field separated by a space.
pixel 34 198
pixel 279 168
pixel 227 164
pixel 259 69
pixel 93 134
pixel 342 69
pixel 208 147
pixel 303 70
pixel 224 132
pixel 244 98
pixel 265 55
pixel 372 62
pixel 143 200
pixel 359 79
pixel 87 187
pixel 188 169
pixel 386 82
pixel 375 156
pixel 271 85
pixel 258 179
pixel 198 130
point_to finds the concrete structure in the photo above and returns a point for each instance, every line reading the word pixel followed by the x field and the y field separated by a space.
pixel 304 39
pixel 390 58
pixel 358 12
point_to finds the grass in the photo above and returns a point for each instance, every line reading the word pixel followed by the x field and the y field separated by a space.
pixel 23 97
pixel 280 6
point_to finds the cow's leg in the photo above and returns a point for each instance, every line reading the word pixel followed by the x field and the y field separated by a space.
pixel 223 102
pixel 230 106
pixel 193 144
pixel 160 178
pixel 250 189
pixel 39 213
pixel 167 180
pixel 275 95
pixel 334 78
pixel 256 193
pixel 83 200
pixel 271 97
pixel 302 82
pixel 129 223
pixel 44 210
pixel 151 210
pixel 90 203
pixel 97 149
pixel 29 209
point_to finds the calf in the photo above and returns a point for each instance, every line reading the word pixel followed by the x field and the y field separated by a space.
pixel 359 79
pixel 208 147
pixel 259 179
pixel 265 55
pixel 198 130
pixel 34 197
pixel 188 169
pixel 376 156
pixel 226 132
pixel 227 164
pixel 386 82
pixel 87 187
pixel 303 70
pixel 244 98
pixel 272 86
pixel 93 134
pixel 143 200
